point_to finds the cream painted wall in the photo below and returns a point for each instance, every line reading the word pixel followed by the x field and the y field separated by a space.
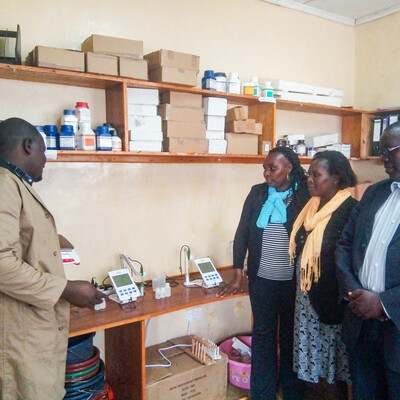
pixel 377 63
pixel 150 210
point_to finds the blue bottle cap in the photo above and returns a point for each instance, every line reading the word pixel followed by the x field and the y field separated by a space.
pixel 39 128
pixel 220 74
pixel 69 112
pixel 69 129
pixel 209 74
pixel 50 129
pixel 102 130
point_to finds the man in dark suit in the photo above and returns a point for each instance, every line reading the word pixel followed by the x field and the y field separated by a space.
pixel 368 266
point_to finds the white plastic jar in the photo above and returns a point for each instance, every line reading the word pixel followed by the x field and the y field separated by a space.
pixel 69 118
pixel 82 112
pixel 233 84
pixel 221 81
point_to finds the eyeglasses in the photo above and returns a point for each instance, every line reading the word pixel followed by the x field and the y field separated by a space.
pixel 386 152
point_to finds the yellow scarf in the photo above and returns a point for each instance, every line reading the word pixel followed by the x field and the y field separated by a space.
pixel 314 222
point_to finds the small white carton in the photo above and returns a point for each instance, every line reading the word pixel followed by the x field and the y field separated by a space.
pixel 144 123
pixel 215 122
pixel 215 106
pixel 145 145
pixel 217 146
pixel 215 134
pixel 147 110
pixel 143 96
pixel 146 135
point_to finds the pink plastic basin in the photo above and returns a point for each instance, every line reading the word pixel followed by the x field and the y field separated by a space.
pixel 238 373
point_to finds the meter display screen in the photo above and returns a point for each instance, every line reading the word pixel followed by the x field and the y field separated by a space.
pixel 206 267
pixel 122 280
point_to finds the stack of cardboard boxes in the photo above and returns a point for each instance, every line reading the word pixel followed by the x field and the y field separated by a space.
pixel 114 56
pixel 242 133
pixel 215 109
pixel 183 122
pixel 173 67
pixel 144 124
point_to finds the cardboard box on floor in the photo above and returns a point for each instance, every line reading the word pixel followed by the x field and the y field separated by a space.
pixel 113 45
pixel 186 378
pixel 51 57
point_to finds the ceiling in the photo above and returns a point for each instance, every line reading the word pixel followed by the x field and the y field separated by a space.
pixel 349 12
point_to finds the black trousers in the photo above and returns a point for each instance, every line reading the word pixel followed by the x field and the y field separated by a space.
pixel 272 304
pixel 371 378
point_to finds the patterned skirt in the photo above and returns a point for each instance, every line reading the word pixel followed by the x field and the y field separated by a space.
pixel 319 351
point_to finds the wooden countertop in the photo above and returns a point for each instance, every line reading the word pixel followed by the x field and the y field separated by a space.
pixel 85 320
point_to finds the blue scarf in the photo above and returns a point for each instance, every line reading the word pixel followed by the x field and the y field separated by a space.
pixel 274 208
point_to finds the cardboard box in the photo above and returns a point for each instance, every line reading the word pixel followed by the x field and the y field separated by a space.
pixel 217 146
pixel 51 57
pixel 242 126
pixel 145 146
pixel 144 123
pixel 101 64
pixel 174 59
pixel 182 99
pixel 215 122
pixel 141 136
pixel 143 96
pixel 179 129
pixel 215 106
pixel 131 68
pixel 235 114
pixel 241 143
pixel 322 140
pixel 185 145
pixel 215 134
pixel 142 109
pixel 178 113
pixel 173 75
pixel 113 45
pixel 258 128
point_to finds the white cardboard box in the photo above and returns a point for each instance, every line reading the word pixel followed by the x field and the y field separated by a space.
pixel 149 110
pixel 322 140
pixel 215 106
pixel 144 123
pixel 145 146
pixel 215 134
pixel 217 146
pixel 215 122
pixel 143 96
pixel 146 136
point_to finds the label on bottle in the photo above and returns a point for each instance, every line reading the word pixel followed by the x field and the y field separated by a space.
pixel 234 87
pixel 88 141
pixel 83 115
pixel 104 143
pixel 67 142
pixel 116 143
pixel 51 142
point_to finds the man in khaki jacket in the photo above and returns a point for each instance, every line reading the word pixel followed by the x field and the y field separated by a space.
pixel 34 293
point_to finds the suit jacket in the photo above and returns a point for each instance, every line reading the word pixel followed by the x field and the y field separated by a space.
pixel 324 294
pixel 248 236
pixel 33 319
pixel 350 255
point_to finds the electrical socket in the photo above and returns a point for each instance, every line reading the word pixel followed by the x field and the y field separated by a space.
pixel 194 313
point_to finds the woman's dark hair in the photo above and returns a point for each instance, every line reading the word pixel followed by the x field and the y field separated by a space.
pixel 338 164
pixel 297 174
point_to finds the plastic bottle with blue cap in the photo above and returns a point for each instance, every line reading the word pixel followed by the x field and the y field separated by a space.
pixel 51 132
pixel 40 129
pixel 69 118
pixel 66 139
pixel 103 138
pixel 208 81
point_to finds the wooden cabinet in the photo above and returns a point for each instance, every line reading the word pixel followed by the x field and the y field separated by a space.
pixel 355 123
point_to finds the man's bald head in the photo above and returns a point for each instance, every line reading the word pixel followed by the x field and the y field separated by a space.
pixel 22 145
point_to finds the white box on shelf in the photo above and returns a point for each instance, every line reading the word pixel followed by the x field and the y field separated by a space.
pixel 147 110
pixel 146 135
pixel 344 148
pixel 215 106
pixel 288 86
pixel 215 134
pixel 143 123
pixel 145 145
pixel 143 96
pixel 215 122
pixel 217 146
pixel 322 140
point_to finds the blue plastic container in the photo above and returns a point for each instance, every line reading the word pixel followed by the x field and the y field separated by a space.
pixel 103 138
pixel 51 132
pixel 80 348
pixel 209 81
pixel 66 140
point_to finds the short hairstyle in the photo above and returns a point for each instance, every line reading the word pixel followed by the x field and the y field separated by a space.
pixel 13 131
pixel 297 174
pixel 338 164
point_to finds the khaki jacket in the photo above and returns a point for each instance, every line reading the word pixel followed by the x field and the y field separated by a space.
pixel 33 319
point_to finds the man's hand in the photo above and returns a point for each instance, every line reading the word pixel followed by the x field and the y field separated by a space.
pixel 365 304
pixel 82 294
